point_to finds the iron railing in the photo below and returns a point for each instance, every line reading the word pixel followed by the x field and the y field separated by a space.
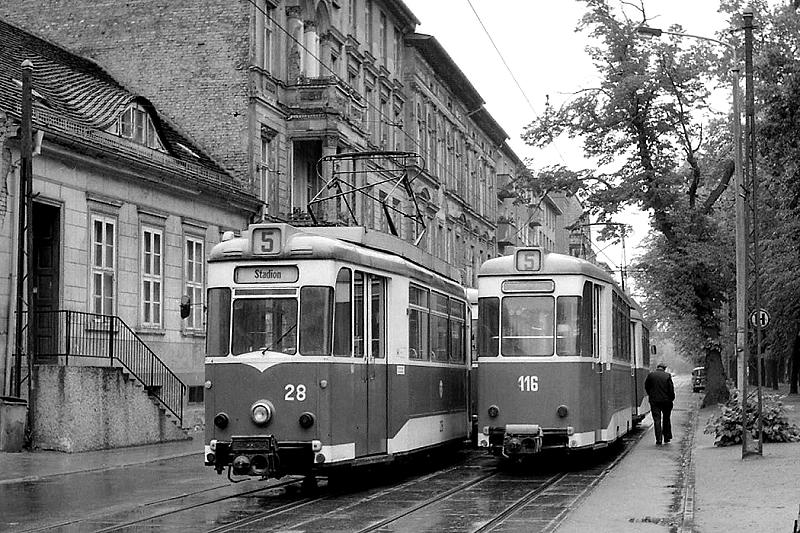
pixel 79 336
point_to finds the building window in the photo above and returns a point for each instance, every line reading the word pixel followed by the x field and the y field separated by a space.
pixel 383 35
pixel 104 252
pixel 398 49
pixel 268 45
pixel 368 24
pixel 196 393
pixel 152 276
pixel 265 168
pixel 193 273
pixel 353 18
pixel 135 124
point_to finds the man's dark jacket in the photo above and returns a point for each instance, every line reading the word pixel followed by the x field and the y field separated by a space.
pixel 659 387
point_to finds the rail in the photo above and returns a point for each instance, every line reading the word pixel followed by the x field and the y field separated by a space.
pixel 79 335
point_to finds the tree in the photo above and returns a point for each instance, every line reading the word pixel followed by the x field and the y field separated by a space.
pixel 657 145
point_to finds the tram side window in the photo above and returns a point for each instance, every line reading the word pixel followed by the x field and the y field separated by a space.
pixel 646 347
pixel 568 325
pixel 586 320
pixel 457 331
pixel 527 326
pixel 439 329
pixel 343 314
pixel 264 324
pixel 488 327
pixel 378 312
pixel 621 318
pixel 218 324
pixel 359 328
pixel 315 320
pixel 418 323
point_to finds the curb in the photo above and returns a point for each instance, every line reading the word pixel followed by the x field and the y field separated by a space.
pixel 686 508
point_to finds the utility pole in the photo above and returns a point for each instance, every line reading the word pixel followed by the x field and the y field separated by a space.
pixel 750 447
pixel 24 259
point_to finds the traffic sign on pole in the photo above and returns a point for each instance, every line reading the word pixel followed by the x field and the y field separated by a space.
pixel 759 317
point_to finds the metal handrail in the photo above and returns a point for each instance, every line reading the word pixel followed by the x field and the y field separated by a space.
pixel 78 334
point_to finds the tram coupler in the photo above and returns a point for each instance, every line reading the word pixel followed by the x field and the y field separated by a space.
pixel 521 439
pixel 245 456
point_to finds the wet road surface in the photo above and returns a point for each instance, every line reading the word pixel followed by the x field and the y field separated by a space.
pixel 470 492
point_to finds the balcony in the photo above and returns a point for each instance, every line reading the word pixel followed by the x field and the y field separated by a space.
pixel 506 233
pixel 313 96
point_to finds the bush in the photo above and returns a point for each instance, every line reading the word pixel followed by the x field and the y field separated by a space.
pixel 727 425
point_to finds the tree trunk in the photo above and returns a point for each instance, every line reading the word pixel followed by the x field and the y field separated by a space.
pixel 794 365
pixel 716 386
pixel 772 372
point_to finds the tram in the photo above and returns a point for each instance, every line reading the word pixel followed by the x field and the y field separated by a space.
pixel 330 347
pixel 555 360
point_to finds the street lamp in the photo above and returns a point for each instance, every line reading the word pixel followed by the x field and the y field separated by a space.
pixel 741 215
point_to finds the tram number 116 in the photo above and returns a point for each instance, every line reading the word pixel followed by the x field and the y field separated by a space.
pixel 528 383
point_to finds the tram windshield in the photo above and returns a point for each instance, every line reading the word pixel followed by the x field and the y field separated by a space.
pixel 264 324
pixel 527 326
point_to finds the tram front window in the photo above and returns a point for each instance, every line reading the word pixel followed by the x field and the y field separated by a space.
pixel 527 326
pixel 265 324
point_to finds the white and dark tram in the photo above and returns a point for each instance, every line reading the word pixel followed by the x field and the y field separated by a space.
pixel 330 346
pixel 556 357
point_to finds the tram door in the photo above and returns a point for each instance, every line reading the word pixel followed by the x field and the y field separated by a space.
pixel 370 344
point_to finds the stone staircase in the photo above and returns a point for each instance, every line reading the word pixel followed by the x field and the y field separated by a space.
pixel 81 408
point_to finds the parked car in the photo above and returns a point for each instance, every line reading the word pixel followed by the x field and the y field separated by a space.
pixel 699 379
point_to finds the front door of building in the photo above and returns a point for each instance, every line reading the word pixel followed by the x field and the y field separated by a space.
pixel 46 261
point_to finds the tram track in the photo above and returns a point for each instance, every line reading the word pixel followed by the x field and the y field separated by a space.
pixel 414 504
pixel 150 508
pixel 339 509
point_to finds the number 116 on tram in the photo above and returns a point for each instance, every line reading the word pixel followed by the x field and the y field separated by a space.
pixel 327 347
pixel 554 355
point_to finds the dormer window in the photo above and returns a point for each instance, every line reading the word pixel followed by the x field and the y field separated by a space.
pixel 135 123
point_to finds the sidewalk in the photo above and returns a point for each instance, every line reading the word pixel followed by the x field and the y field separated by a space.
pixel 31 466
pixel 690 485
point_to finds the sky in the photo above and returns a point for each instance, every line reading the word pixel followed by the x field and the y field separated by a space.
pixel 538 42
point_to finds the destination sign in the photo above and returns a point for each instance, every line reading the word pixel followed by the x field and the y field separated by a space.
pixel 266 241
pixel 266 274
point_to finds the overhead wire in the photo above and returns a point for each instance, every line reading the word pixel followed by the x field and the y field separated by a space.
pixel 510 72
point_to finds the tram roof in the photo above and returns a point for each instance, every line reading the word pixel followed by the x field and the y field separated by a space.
pixel 552 263
pixel 345 243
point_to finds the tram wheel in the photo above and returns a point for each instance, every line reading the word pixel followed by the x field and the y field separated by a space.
pixel 309 484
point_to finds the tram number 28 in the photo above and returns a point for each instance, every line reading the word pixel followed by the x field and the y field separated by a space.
pixel 528 383
pixel 295 393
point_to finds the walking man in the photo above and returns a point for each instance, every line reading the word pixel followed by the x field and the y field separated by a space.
pixel 661 393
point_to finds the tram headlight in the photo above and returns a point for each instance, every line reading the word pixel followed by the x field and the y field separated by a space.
pixel 494 411
pixel 562 411
pixel 261 412
pixel 221 420
pixel 306 420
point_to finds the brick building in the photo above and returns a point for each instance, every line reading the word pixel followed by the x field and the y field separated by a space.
pixel 125 209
